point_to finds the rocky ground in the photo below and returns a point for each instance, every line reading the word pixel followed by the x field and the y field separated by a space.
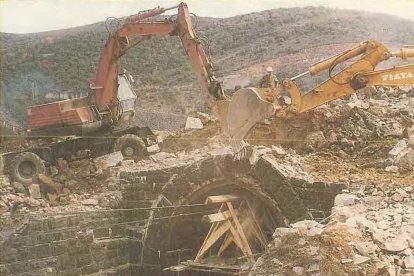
pixel 366 142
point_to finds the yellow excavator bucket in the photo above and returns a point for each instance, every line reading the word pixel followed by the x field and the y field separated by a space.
pixel 245 109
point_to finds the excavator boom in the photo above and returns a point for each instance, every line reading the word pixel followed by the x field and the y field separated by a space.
pixel 251 105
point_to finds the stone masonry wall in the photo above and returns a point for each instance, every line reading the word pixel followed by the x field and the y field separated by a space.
pixel 80 244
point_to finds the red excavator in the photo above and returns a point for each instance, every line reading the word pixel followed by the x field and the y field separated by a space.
pixel 111 100
pixel 109 107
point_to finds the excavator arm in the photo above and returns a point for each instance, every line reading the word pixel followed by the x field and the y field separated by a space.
pixel 251 105
pixel 104 86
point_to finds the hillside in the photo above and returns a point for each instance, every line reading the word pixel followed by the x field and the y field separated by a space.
pixel 62 60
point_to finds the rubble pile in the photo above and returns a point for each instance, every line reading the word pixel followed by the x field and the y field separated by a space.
pixel 82 185
pixel 385 217
pixel 370 232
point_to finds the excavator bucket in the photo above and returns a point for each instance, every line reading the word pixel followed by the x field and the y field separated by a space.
pixel 245 109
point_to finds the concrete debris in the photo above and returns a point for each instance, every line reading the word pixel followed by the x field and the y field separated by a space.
pixel 396 245
pixel 204 117
pixel 358 259
pixel 392 169
pixel 401 145
pixel 316 140
pixel 90 201
pixel 282 231
pixel 354 101
pixel 409 261
pixel 309 227
pixel 153 149
pixel 366 248
pixel 19 187
pixel 314 267
pixel 278 151
pixel 34 191
pixel 257 152
pixel 405 160
pixel 298 270
pixel 393 129
pixel 345 200
pixel 346 261
pixel 193 123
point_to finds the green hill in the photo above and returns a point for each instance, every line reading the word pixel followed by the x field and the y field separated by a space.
pixel 62 60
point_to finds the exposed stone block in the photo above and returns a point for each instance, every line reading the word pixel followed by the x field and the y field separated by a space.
pixel 83 260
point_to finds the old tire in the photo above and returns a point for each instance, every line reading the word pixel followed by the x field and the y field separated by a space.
pixel 131 147
pixel 25 166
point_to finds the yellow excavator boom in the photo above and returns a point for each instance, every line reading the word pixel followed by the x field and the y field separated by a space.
pixel 249 106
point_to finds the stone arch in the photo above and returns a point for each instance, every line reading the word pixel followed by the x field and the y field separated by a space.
pixel 277 186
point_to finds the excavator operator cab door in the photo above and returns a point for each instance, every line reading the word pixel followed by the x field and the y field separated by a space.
pixel 126 97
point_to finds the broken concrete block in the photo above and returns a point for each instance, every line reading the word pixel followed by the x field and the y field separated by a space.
pixel 153 149
pixel 409 261
pixel 282 231
pixel 162 156
pixel 31 202
pixel 90 202
pixel 278 151
pixel 256 153
pixel 396 245
pixel 299 270
pixel 346 261
pixel 354 101
pixel 393 129
pixel 34 191
pixel 193 123
pixel 402 144
pixel 345 200
pixel 365 248
pixel 391 169
pixel 405 160
pixel 358 259
pixel 316 139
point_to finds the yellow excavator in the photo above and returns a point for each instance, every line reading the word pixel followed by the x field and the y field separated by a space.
pixel 249 106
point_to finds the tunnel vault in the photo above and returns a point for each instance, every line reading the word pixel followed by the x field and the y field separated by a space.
pixel 158 221
pixel 277 191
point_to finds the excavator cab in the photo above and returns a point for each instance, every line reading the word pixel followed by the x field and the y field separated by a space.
pixel 127 99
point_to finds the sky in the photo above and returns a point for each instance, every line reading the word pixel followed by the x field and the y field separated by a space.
pixel 28 16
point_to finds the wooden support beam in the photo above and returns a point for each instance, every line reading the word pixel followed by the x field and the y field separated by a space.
pixel 240 230
pixel 220 216
pixel 212 238
pixel 221 198
pixel 226 222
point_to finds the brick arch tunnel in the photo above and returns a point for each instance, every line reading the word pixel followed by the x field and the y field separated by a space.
pixel 274 188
